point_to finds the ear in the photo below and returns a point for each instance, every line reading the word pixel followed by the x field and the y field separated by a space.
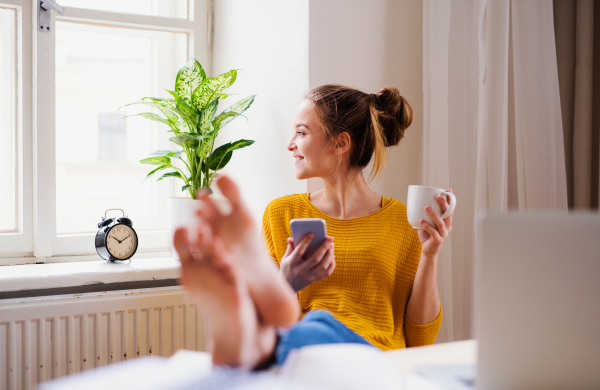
pixel 342 144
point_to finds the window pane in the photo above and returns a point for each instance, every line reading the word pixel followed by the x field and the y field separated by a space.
pixel 98 70
pixel 164 8
pixel 7 121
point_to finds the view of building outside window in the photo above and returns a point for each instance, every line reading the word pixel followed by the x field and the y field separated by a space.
pixel 164 8
pixel 8 130
pixel 98 70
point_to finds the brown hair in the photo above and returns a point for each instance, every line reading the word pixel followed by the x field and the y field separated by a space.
pixel 373 121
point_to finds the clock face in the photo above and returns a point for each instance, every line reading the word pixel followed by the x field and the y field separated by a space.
pixel 121 242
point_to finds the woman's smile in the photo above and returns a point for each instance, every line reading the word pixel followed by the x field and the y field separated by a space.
pixel 313 154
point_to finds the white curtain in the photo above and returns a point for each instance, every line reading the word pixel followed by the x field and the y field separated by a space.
pixel 492 125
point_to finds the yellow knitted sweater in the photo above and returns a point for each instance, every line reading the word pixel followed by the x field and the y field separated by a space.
pixel 376 261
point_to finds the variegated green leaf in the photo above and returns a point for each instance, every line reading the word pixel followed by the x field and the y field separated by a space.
pixel 211 88
pixel 157 160
pixel 208 115
pixel 182 103
pixel 170 174
pixel 223 118
pixel 167 153
pixel 186 140
pixel 221 155
pixel 184 126
pixel 152 116
pixel 184 110
pixel 166 106
pixel 156 170
pixel 241 105
pixel 166 103
pixel 185 187
pixel 188 79
pixel 232 112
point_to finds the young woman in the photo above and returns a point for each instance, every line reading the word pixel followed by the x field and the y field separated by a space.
pixel 383 291
pixel 384 286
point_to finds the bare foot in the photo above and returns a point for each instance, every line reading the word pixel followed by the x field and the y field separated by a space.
pixel 275 300
pixel 239 232
pixel 221 293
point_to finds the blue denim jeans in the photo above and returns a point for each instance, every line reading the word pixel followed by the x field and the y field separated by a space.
pixel 317 327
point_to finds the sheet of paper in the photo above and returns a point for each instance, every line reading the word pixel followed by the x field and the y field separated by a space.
pixel 451 376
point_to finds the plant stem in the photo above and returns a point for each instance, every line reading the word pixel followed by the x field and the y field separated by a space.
pixel 186 164
pixel 182 174
pixel 198 177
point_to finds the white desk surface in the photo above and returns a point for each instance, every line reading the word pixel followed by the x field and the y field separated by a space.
pixel 456 352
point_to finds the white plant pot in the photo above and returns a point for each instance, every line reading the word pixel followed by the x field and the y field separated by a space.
pixel 182 213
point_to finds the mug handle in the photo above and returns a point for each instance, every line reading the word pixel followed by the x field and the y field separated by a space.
pixel 451 206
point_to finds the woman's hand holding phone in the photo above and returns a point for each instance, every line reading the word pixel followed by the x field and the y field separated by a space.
pixel 301 273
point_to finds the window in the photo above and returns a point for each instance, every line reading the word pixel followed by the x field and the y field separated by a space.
pixel 164 8
pixel 8 130
pixel 69 145
pixel 97 70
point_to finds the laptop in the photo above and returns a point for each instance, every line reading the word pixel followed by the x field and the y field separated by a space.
pixel 537 309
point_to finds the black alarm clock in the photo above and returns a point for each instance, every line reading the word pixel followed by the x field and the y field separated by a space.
pixel 116 240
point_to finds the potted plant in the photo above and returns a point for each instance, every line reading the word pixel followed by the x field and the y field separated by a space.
pixel 191 116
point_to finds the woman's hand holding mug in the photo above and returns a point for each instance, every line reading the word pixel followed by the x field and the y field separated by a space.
pixel 301 273
pixel 430 211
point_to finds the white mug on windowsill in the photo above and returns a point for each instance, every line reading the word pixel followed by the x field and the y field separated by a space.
pixel 421 196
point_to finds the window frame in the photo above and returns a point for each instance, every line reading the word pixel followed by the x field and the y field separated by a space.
pixel 19 243
pixel 35 239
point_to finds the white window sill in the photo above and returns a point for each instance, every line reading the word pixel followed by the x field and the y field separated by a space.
pixel 74 274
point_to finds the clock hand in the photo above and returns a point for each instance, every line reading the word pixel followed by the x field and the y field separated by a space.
pixel 126 238
pixel 115 238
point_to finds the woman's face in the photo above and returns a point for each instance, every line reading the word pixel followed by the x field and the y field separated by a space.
pixel 313 155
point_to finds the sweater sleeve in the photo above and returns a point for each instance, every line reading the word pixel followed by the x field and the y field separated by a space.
pixel 419 335
pixel 267 234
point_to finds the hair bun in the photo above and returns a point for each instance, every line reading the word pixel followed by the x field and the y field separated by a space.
pixel 395 114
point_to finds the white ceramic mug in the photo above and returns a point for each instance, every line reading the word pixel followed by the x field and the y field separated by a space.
pixel 421 196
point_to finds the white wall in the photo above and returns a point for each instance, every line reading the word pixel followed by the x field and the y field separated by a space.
pixel 268 41
pixel 359 43
pixel 369 45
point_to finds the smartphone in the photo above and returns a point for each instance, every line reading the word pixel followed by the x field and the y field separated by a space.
pixel 302 226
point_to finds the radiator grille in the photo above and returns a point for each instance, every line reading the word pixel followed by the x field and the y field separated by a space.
pixel 49 337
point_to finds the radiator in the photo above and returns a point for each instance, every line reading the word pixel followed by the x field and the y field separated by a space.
pixel 49 337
